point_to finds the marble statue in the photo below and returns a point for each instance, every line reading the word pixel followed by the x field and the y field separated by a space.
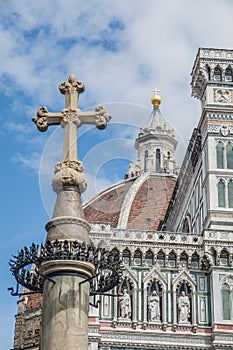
pixel 184 308
pixel 125 305
pixel 154 307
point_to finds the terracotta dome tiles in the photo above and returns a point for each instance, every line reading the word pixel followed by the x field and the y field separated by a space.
pixel 106 206
pixel 146 208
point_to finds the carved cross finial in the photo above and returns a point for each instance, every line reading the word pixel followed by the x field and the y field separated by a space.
pixel 156 90
pixel 71 118
pixel 71 89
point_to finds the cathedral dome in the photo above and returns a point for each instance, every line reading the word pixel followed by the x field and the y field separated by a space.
pixel 131 204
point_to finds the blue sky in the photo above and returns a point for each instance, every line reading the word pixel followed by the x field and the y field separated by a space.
pixel 121 50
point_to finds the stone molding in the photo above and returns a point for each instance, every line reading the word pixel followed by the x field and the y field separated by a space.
pixel 67 220
pixel 59 266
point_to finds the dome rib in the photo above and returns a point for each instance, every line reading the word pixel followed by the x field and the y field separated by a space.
pixel 129 198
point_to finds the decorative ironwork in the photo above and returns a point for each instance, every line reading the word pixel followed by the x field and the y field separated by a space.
pixel 26 266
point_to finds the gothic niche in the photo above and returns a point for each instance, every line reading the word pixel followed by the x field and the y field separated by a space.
pixel 186 225
pixel 154 302
pixel 184 304
pixel 125 301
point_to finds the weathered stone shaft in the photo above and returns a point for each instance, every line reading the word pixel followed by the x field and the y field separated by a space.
pixel 65 313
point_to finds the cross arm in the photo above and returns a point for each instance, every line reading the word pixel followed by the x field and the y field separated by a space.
pixel 44 118
pixel 99 117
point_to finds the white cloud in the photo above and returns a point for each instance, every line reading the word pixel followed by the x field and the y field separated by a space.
pixel 121 51
pixel 50 39
pixel 31 161
pixel 18 128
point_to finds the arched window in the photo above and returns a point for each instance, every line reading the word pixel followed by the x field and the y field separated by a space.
pixel 224 258
pixel 221 193
pixel 228 74
pixel 229 152
pixel 172 259
pixel 160 259
pixel 217 74
pixel 145 160
pixel 149 258
pixel 208 71
pixel 186 225
pixel 226 313
pixel 230 194
pixel 213 253
pixel 158 160
pixel 126 257
pixel 137 259
pixel 220 153
pixel 183 260
pixel 115 253
pixel 195 261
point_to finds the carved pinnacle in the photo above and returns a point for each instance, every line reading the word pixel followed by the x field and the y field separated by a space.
pixel 71 90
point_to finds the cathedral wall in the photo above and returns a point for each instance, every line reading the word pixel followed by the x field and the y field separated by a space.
pixel 187 200
pixel 222 280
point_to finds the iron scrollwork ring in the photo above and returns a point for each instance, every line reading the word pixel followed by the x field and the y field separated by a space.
pixel 26 265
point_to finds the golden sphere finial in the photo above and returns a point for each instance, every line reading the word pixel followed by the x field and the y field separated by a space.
pixel 156 99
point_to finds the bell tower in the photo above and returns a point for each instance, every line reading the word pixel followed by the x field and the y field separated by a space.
pixel 212 84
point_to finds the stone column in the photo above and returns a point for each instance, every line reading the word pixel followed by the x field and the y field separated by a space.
pixel 66 294
pixel 66 289
pixel 65 305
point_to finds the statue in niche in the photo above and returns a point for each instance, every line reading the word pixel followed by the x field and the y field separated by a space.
pixel 125 305
pixel 154 307
pixel 184 308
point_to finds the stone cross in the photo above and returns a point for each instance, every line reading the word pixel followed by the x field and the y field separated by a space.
pixel 71 117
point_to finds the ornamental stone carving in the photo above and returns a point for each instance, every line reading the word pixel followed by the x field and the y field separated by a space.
pixel 222 95
pixel 70 116
pixel 213 128
pixel 72 85
pixel 125 305
pixel 224 130
pixel 68 177
pixel 102 117
pixel 41 119
pixel 73 164
pixel 184 308
pixel 154 307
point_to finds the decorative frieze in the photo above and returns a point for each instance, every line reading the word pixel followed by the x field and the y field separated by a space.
pixel 223 338
pixel 154 338
pixel 218 116
pixel 223 130
pixel 142 237
pixel 218 236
